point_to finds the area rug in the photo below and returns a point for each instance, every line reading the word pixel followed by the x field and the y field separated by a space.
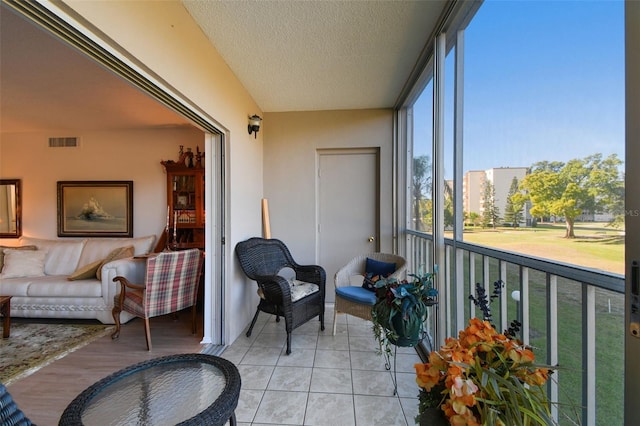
pixel 33 346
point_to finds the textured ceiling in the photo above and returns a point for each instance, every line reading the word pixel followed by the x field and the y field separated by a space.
pixel 319 55
pixel 290 55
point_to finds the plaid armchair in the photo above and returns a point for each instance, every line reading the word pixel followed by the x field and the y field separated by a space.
pixel 297 300
pixel 171 284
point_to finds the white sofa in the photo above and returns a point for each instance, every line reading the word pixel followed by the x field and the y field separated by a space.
pixel 53 295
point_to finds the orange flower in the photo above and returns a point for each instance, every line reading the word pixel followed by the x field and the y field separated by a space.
pixel 479 334
pixel 463 391
pixel 537 377
pixel 427 376
pixel 454 368
pixel 519 355
pixel 460 414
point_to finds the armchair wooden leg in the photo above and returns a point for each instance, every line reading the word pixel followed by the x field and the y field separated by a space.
pixel 193 320
pixel 335 321
pixel 115 312
pixel 147 333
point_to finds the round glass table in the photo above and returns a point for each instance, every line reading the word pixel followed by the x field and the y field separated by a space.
pixel 185 389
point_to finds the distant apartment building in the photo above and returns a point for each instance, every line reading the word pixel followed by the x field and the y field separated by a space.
pixel 473 191
pixel 501 178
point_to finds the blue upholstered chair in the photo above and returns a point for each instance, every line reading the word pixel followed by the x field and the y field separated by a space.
pixel 351 296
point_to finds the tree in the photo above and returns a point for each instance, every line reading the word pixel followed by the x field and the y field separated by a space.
pixel 581 185
pixel 420 188
pixel 490 211
pixel 513 211
pixel 474 219
pixel 448 210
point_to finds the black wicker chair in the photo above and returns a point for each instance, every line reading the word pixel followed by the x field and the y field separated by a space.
pixel 10 414
pixel 261 260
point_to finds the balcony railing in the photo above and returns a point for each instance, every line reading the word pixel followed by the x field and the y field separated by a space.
pixel 573 317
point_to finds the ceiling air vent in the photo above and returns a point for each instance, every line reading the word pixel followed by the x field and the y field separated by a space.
pixel 67 142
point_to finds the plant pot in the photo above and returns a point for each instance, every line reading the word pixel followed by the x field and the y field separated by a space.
pixel 408 332
pixel 433 417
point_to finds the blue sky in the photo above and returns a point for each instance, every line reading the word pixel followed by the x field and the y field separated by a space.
pixel 544 80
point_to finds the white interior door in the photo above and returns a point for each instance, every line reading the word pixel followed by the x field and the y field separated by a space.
pixel 348 187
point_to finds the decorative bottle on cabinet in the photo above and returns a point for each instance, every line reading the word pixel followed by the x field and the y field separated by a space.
pixel 185 200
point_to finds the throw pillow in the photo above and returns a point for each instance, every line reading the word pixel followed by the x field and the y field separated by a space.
pixel 2 248
pixel 86 272
pixel 370 280
pixel 374 270
pixel 378 267
pixel 119 253
pixel 23 263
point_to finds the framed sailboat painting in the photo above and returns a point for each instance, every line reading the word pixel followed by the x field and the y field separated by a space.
pixel 95 208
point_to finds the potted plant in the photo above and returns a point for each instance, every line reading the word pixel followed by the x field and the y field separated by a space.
pixel 401 310
pixel 484 377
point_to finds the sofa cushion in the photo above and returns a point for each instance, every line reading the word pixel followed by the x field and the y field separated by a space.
pixel 98 248
pixel 13 248
pixel 23 263
pixel 119 253
pixel 59 286
pixel 62 256
pixel 85 272
pixel 14 286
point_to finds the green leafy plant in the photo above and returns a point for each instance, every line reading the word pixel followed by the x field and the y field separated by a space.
pixel 401 310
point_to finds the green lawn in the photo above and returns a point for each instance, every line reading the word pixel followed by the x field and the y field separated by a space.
pixel 595 246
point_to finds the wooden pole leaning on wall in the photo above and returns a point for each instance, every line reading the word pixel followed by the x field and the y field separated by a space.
pixel 266 225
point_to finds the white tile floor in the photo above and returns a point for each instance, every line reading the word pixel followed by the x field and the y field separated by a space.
pixel 326 380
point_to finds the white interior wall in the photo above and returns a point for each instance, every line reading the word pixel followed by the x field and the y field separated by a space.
pixel 125 155
pixel 291 142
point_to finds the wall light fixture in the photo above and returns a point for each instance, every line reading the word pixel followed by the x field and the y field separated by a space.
pixel 254 125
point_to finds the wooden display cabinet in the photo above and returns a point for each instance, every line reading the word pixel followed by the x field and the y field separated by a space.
pixel 185 200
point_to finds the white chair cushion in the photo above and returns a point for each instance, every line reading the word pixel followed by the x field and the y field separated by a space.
pixel 299 289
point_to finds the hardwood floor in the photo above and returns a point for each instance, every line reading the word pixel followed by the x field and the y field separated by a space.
pixel 44 395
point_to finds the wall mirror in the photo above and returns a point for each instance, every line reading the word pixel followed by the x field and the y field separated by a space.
pixel 10 208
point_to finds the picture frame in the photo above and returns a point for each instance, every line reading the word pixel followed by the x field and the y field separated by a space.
pixel 182 201
pixel 95 208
